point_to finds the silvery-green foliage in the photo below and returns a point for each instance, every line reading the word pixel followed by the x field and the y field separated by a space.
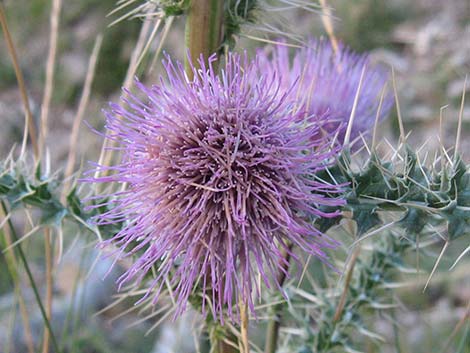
pixel 415 200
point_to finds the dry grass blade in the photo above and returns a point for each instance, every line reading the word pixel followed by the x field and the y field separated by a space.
pixel 328 24
pixel 80 112
pixel 465 319
pixel 12 265
pixel 245 345
pixel 347 281
pixel 32 282
pixel 29 124
pixel 49 284
pixel 50 68
pixel 45 107
pixel 106 154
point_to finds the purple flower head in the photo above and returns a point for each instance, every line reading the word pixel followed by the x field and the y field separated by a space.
pixel 328 82
pixel 219 176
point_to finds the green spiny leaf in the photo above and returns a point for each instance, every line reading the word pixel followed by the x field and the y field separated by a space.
pixel 414 220
pixel 365 215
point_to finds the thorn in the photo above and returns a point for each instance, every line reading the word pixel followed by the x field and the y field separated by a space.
pixel 120 7
pixel 435 265
pixel 400 120
pixel 304 270
pixel 459 258
pixel 149 42
pixel 376 122
pixel 268 41
pixel 441 134
pixel 136 53
pixel 166 30
pixel 353 111
pixel 23 238
pixel 126 15
pixel 423 145
pixel 364 144
pixel 459 126
pixel 371 233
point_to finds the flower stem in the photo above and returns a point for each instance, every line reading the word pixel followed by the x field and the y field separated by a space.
pixel 203 38
pixel 31 280
pixel 272 331
pixel 203 31
pixel 219 343
pixel 245 343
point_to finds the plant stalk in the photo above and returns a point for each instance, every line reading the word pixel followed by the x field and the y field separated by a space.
pixel 347 281
pixel 19 77
pixel 50 70
pixel 13 267
pixel 203 31
pixel 245 343
pixel 203 38
pixel 49 284
pixel 221 346
pixel 32 282
pixel 272 331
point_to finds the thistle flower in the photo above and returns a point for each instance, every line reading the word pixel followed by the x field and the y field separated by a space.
pixel 220 181
pixel 328 83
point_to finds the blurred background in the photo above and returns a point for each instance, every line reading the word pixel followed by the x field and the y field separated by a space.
pixel 426 41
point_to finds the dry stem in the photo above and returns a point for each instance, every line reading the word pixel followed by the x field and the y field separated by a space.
pixel 328 24
pixel 272 331
pixel 12 265
pixel 50 67
pixel 49 284
pixel 29 122
pixel 48 89
pixel 244 326
pixel 342 300
pixel 80 112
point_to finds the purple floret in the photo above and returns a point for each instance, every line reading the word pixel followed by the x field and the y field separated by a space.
pixel 219 176
pixel 328 82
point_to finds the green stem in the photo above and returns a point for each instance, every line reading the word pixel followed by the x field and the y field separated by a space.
pixel 31 280
pixel 272 331
pixel 396 333
pixel 203 31
pixel 217 337
pixel 204 38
